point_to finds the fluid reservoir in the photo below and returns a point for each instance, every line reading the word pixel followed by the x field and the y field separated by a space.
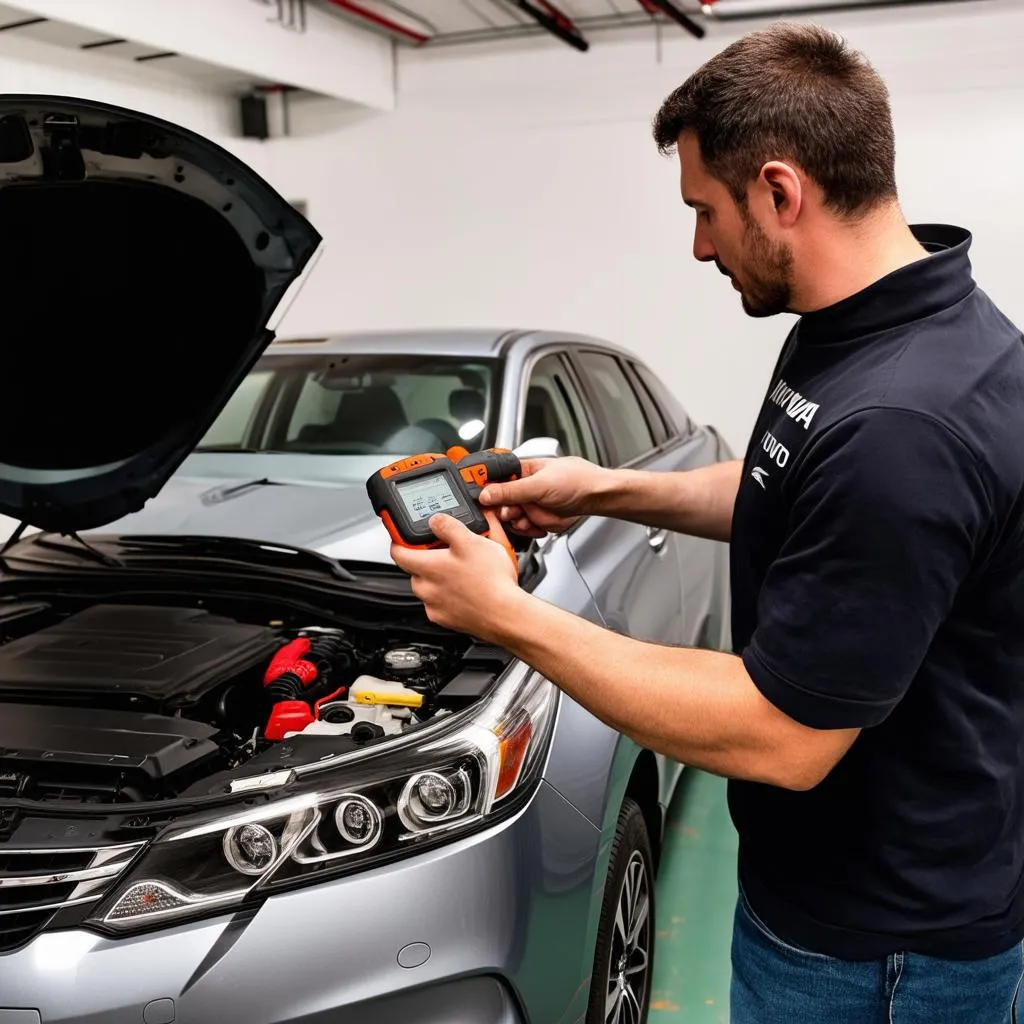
pixel 403 661
pixel 392 720
pixel 416 665
pixel 371 690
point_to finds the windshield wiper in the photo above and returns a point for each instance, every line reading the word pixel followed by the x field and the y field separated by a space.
pixel 268 554
pixel 84 549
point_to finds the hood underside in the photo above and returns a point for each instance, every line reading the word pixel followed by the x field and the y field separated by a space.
pixel 142 268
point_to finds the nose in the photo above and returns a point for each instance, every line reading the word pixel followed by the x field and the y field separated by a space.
pixel 703 249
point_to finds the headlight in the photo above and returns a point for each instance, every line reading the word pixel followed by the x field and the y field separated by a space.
pixel 347 819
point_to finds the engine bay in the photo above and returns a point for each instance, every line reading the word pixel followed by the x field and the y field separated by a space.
pixel 121 703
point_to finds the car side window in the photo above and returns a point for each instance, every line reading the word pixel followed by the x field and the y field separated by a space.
pixel 618 405
pixel 668 409
pixel 553 408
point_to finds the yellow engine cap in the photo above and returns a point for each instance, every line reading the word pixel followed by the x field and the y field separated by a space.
pixel 396 700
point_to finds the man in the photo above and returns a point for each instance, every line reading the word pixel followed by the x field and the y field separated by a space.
pixel 871 721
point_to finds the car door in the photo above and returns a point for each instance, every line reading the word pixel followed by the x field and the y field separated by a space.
pixel 704 564
pixel 632 572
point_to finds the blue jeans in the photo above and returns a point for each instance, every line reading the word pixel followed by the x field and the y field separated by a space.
pixel 775 983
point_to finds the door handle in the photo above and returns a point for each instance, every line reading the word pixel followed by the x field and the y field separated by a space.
pixel 656 538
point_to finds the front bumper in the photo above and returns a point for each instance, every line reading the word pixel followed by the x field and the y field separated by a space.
pixel 494 929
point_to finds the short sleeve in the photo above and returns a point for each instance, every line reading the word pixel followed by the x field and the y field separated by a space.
pixel 887 514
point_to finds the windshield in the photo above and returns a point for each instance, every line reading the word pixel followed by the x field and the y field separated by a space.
pixel 358 404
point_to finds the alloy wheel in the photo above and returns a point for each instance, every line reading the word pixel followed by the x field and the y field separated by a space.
pixel 630 959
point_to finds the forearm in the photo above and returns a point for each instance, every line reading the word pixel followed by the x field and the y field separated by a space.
pixel 698 707
pixel 698 502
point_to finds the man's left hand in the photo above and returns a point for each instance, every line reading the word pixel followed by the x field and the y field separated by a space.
pixel 469 585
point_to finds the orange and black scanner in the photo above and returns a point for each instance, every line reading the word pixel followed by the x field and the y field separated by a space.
pixel 405 494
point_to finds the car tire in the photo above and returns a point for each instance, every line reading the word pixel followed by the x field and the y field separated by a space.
pixel 620 991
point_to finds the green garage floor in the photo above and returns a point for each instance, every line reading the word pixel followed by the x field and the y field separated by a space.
pixel 696 898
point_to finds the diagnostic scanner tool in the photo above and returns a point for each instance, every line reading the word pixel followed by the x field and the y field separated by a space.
pixel 405 494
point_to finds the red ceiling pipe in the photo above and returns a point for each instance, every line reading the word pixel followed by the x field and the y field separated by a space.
pixel 383 16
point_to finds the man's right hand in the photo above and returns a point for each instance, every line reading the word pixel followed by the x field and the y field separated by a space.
pixel 554 493
pixel 549 497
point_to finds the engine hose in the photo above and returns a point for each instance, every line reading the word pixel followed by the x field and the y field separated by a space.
pixel 290 672
pixel 287 686
pixel 329 652
pixel 304 661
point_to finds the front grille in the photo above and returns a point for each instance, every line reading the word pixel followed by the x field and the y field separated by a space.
pixel 36 884
pixel 17 929
pixel 12 862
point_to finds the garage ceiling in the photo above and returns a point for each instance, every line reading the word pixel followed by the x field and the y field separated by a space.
pixel 466 20
pixel 450 22
pixel 16 23
pixel 428 23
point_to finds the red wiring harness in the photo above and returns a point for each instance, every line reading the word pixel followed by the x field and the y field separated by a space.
pixel 288 676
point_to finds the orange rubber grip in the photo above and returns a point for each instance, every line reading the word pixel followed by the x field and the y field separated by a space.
pixel 412 462
pixel 497 533
pixel 475 474
pixel 389 523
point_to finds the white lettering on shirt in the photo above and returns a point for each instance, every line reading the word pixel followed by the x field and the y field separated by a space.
pixel 776 450
pixel 795 406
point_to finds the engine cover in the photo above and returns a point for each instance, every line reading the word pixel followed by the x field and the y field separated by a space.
pixel 152 654
pixel 50 752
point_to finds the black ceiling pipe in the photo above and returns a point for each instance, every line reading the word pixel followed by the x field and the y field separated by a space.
pixel 559 24
pixel 670 10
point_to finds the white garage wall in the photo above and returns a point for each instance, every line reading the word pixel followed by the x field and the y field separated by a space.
pixel 545 203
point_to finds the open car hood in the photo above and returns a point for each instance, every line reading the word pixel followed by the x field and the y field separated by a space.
pixel 143 272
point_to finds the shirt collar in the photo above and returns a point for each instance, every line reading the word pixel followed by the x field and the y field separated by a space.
pixel 911 293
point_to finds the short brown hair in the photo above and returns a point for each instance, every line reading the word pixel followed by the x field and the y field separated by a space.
pixel 789 92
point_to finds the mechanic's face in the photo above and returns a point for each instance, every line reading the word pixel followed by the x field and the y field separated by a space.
pixel 731 236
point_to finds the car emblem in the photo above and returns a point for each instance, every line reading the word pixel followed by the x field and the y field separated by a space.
pixel 759 475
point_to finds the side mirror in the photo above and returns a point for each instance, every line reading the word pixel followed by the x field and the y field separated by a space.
pixel 539 448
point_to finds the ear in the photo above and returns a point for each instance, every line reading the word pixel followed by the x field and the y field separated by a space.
pixel 785 187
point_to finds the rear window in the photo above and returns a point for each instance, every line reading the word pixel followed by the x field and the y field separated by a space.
pixel 359 405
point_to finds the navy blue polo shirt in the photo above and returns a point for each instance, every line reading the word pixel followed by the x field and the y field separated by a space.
pixel 877 564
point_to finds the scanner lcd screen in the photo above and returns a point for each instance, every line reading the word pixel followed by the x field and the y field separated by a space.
pixel 427 495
